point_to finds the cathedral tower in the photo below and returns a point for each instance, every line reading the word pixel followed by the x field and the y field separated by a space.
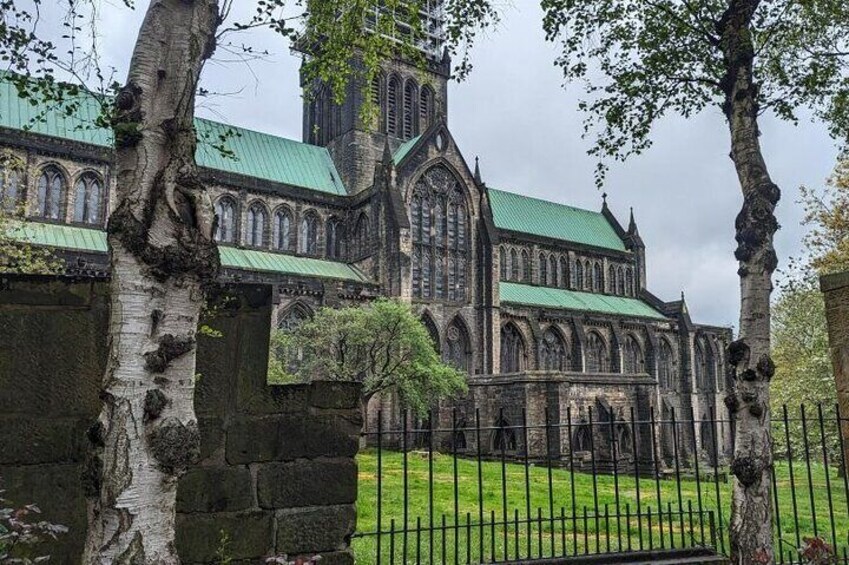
pixel 408 97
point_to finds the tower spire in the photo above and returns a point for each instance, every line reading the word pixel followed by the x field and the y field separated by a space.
pixel 632 224
pixel 387 153
pixel 477 170
pixel 603 200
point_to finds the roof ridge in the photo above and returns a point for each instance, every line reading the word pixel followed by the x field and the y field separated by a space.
pixel 259 132
pixel 538 199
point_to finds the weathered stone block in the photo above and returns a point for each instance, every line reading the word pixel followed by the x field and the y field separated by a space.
pixel 40 440
pixel 290 437
pixel 211 436
pixel 199 536
pixel 315 530
pixel 215 489
pixel 252 440
pixel 307 483
pixel 316 436
pixel 335 394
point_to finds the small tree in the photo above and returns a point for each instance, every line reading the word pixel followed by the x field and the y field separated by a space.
pixel 381 345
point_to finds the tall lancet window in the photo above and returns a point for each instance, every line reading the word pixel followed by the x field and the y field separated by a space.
pixel 393 95
pixel 87 199
pixel 410 123
pixel 225 210
pixel 257 220
pixel 441 245
pixel 425 108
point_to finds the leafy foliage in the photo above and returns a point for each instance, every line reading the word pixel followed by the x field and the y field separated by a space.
pixel 21 532
pixel 641 60
pixel 800 345
pixel 381 345
pixel 827 213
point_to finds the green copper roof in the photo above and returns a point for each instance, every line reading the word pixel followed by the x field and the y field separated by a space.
pixel 404 149
pixel 533 216
pixel 560 298
pixel 256 154
pixel 58 235
pixel 254 260
pixel 85 239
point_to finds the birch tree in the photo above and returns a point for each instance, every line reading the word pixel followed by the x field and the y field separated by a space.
pixel 641 60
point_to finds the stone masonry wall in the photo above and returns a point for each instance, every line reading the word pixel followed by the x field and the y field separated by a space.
pixel 277 472
pixel 835 290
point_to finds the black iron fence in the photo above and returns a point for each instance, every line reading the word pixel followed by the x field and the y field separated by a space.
pixel 452 488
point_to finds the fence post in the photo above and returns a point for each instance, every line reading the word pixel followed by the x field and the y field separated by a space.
pixel 835 289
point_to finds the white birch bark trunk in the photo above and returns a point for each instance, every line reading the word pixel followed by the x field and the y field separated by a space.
pixel 162 254
pixel 748 401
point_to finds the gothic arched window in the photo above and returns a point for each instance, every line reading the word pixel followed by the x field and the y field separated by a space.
pixel 458 346
pixel 335 238
pixel 411 111
pixel 554 353
pixel 502 263
pixel 362 243
pixel 667 367
pixel 426 107
pixel 611 279
pixel 512 350
pixel 51 193
pixel 552 270
pixel 705 367
pixel 504 436
pixel 598 278
pixel 543 269
pixel 634 361
pixel 526 267
pixel 282 231
pixel 87 199
pixel 564 272
pixel 9 192
pixel 629 282
pixel 225 210
pixel 598 358
pixel 620 281
pixel 433 333
pixel 440 255
pixel 257 220
pixel 514 265
pixel 377 100
pixel 588 276
pixel 579 275
pixel 308 236
pixel 393 94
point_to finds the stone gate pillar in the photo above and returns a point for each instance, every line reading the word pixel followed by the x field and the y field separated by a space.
pixel 835 289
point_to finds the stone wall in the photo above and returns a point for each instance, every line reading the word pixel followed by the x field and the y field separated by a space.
pixel 277 473
pixel 835 290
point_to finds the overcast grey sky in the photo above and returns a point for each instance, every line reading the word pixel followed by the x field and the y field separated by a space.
pixel 515 114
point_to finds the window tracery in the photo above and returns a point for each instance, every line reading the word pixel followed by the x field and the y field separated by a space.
pixel 225 209
pixel 441 247
pixel 87 199
pixel 51 193
pixel 512 350
pixel 598 357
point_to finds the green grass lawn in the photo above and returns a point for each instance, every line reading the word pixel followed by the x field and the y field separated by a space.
pixel 562 535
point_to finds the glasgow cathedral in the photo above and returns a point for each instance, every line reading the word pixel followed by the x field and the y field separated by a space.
pixel 544 306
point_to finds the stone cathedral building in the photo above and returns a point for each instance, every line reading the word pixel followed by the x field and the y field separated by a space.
pixel 544 306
